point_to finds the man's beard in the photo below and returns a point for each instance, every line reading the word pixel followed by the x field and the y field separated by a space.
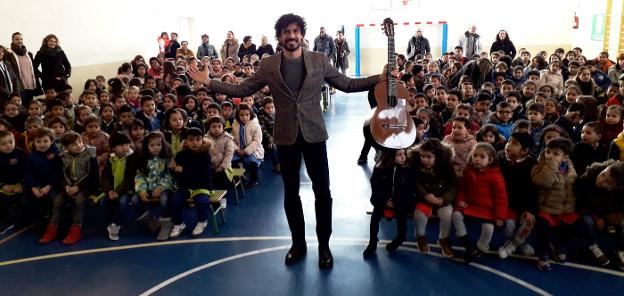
pixel 291 48
pixel 19 50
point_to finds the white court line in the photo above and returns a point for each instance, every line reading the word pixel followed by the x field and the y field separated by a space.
pixel 208 265
pixel 270 238
pixel 499 273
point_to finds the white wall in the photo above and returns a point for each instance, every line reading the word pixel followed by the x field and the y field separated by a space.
pixel 100 34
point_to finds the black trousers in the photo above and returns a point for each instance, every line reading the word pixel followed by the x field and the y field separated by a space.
pixel 315 157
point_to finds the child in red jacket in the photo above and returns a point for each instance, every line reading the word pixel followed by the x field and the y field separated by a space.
pixel 482 196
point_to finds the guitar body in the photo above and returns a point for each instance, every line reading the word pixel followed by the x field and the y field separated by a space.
pixel 391 126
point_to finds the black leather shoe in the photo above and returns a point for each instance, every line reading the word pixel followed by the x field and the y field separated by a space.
pixel 295 254
pixel 326 260
pixel 395 244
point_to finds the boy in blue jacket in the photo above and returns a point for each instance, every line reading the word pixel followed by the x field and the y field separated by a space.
pixel 41 175
pixel 193 174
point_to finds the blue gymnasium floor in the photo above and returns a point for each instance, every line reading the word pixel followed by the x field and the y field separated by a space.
pixel 246 258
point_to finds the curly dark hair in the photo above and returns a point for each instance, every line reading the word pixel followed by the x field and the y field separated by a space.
pixel 443 166
pixel 288 19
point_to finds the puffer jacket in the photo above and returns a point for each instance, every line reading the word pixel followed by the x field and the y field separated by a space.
pixel 484 193
pixel 462 150
pixel 81 170
pixel 555 193
pixel 253 138
pixel 393 182
pixel 430 183
pixel 222 150
pixel 157 176
pixel 553 79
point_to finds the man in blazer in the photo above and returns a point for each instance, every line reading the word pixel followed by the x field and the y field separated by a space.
pixel 295 77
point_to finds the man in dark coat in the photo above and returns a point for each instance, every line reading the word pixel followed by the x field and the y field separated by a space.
pixel 417 45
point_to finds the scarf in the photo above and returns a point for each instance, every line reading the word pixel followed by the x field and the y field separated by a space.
pixel 50 51
pixel 241 135
pixel 18 50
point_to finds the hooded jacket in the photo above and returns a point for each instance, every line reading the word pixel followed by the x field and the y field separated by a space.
pixel 555 194
pixel 222 151
pixel 484 192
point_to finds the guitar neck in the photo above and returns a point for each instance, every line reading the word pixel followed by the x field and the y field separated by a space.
pixel 392 62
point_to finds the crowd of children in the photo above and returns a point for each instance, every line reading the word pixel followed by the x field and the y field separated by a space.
pixel 130 143
pixel 514 147
pixel 521 145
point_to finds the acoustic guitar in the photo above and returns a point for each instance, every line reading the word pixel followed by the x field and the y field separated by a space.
pixel 390 125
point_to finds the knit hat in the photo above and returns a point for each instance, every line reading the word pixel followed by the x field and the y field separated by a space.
pixel 525 139
pixel 118 138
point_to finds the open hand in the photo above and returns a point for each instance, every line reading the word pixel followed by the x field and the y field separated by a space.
pixel 201 76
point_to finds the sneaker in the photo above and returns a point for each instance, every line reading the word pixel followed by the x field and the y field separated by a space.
pixel 472 254
pixel 74 235
pixel 6 228
pixel 620 258
pixel 507 249
pixel 599 255
pixel 445 246
pixel 543 263
pixel 527 250
pixel 561 254
pixel 199 228
pixel 423 247
pixel 50 234
pixel 113 231
pixel 177 230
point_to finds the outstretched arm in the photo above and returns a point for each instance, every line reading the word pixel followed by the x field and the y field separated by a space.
pixel 250 86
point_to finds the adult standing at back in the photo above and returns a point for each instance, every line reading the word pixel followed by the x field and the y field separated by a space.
pixel 55 66
pixel 470 41
pixel 417 45
pixel 503 43
pixel 324 43
pixel 22 62
pixel 342 53
pixel 8 79
pixel 206 49
pixel 172 47
pixel 247 48
pixel 265 47
pixel 229 49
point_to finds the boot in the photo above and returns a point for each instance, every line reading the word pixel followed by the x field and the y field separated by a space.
pixel 165 228
pixel 370 249
pixel 149 221
pixel 50 234
pixel 74 235
pixel 253 176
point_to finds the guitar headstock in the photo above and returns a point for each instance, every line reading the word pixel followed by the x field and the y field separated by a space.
pixel 388 27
